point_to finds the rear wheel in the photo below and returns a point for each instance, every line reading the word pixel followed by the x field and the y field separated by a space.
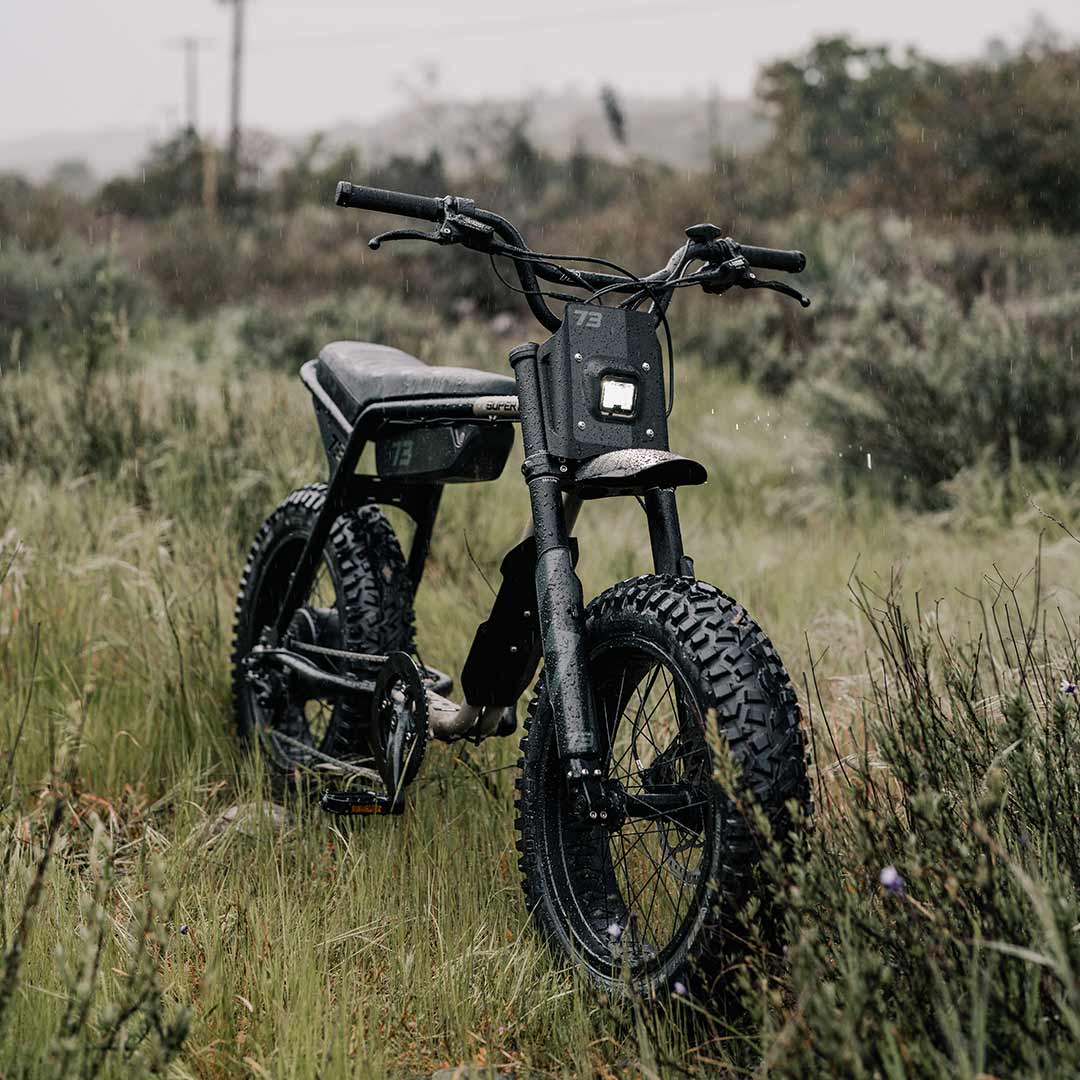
pixel 646 899
pixel 360 601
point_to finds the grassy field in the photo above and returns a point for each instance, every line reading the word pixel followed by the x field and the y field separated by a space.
pixel 289 945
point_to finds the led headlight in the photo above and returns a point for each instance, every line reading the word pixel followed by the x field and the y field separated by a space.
pixel 618 397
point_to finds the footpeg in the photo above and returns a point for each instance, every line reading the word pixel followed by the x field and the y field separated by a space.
pixel 348 803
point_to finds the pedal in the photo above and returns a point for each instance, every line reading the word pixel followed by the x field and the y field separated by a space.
pixel 440 708
pixel 349 803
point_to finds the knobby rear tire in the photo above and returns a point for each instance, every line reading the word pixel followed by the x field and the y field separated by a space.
pixel 372 596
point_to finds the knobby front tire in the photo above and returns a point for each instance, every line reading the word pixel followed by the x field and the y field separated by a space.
pixel 679 670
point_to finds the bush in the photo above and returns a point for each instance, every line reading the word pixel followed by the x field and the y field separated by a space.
pixel 39 217
pixel 932 921
pixel 283 338
pixel 859 128
pixel 52 302
pixel 198 262
pixel 928 391
pixel 171 177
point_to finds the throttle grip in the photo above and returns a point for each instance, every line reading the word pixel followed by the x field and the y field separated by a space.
pixel 388 202
pixel 790 262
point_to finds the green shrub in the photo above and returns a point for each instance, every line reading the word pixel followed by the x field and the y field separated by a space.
pixel 40 217
pixel 282 338
pixel 932 920
pixel 199 263
pixel 927 391
pixel 53 302
pixel 751 334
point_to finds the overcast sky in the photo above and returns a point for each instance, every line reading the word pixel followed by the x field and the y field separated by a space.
pixel 85 65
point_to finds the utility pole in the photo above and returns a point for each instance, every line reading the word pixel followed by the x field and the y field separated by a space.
pixel 234 96
pixel 190 47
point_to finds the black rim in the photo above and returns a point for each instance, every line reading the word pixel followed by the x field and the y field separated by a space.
pixel 631 896
pixel 289 729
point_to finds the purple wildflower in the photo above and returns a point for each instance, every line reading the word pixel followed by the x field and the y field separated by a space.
pixel 679 988
pixel 1068 686
pixel 891 880
pixel 184 928
pixel 615 931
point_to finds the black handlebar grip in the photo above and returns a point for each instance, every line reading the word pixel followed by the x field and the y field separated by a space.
pixel 789 262
pixel 388 202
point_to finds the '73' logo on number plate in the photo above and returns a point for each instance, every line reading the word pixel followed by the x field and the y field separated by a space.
pixel 589 319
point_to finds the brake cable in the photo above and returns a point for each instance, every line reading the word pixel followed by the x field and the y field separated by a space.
pixel 649 288
pixel 566 298
pixel 539 258
pixel 636 298
pixel 525 256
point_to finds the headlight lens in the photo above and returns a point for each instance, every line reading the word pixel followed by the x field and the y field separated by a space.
pixel 618 397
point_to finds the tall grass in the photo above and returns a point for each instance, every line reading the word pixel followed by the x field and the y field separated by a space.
pixel 933 921
pixel 284 944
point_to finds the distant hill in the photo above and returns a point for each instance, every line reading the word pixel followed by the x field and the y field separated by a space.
pixel 106 153
pixel 676 130
pixel 680 131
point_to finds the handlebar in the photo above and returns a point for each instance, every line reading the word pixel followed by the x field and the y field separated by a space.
pixel 388 202
pixel 461 221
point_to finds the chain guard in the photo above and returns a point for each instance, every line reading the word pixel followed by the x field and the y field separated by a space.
pixel 399 722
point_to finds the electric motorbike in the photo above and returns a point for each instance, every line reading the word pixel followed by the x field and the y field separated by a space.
pixel 635 859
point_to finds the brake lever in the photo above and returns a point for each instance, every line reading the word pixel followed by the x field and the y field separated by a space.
pixel 376 242
pixel 750 280
pixel 455 229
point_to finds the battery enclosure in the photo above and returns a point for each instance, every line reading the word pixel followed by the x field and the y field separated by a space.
pixel 594 342
pixel 458 453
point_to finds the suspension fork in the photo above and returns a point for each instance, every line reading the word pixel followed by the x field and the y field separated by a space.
pixel 559 597
pixel 665 534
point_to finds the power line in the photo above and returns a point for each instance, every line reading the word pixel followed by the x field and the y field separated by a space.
pixel 505 26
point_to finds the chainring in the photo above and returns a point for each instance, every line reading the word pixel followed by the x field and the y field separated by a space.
pixel 399 721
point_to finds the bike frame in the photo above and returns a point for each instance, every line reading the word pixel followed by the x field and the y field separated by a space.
pixel 540 602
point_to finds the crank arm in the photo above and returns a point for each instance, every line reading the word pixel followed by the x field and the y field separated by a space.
pixel 311 677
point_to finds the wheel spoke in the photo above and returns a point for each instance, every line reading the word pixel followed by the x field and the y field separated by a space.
pixel 654 738
pixel 309 722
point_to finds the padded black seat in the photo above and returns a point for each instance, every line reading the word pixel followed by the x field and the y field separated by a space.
pixel 356 373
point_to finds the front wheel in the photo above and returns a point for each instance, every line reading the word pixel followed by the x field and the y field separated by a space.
pixel 646 901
